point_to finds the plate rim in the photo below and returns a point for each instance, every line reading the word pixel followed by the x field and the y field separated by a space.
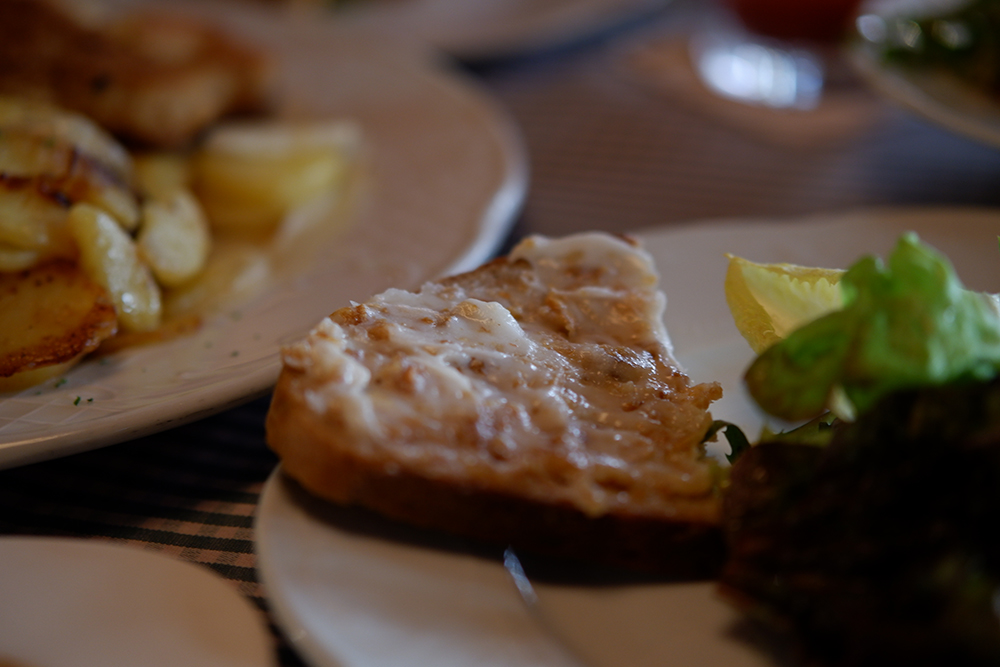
pixel 929 94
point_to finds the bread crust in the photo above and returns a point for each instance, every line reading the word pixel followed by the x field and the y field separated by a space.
pixel 682 549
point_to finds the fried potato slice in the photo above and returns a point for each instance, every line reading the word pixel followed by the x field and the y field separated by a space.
pixel 29 221
pixel 40 177
pixel 65 157
pixel 51 123
pixel 50 315
pixel 110 257
pixel 249 175
pixel 174 239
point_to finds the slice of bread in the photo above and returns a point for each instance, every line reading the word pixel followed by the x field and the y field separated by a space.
pixel 533 402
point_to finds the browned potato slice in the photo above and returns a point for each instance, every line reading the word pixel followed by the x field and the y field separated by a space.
pixel 51 123
pixel 28 220
pixel 25 155
pixel 56 171
pixel 50 315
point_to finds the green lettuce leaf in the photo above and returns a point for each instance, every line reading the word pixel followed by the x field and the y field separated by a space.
pixel 905 323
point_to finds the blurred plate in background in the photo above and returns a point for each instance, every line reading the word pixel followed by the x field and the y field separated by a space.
pixel 443 174
pixel 490 29
pixel 934 94
pixel 88 603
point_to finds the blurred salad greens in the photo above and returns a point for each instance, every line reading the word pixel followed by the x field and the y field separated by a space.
pixel 964 41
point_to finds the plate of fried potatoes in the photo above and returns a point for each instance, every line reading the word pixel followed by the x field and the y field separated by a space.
pixel 372 169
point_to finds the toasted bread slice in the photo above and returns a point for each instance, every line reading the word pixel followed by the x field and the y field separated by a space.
pixel 156 80
pixel 534 402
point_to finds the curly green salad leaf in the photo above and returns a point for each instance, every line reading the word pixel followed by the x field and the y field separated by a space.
pixel 905 323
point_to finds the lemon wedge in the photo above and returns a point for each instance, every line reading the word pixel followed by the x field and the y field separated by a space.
pixel 769 301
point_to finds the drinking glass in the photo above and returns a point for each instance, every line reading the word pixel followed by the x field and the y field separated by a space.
pixel 775 53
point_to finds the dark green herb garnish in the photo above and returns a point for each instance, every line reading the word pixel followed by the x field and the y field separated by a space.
pixel 738 441
pixel 880 548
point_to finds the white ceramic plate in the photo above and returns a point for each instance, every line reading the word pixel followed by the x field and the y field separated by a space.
pixel 83 603
pixel 443 175
pixel 643 625
pixel 936 96
pixel 494 28
pixel 353 591
pixel 350 590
